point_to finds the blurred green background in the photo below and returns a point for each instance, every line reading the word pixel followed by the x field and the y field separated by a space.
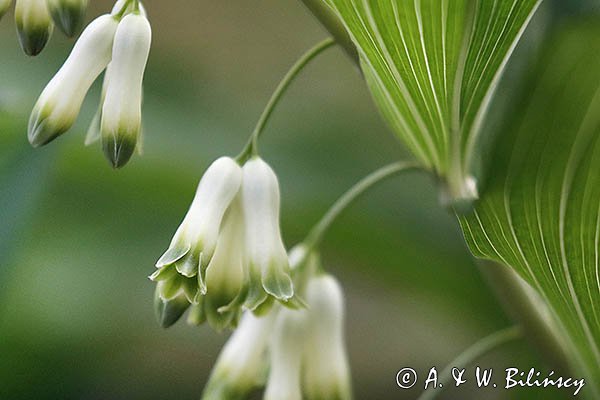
pixel 77 239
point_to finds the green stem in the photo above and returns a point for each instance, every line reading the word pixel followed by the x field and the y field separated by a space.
pixel 467 357
pixel 123 9
pixel 316 234
pixel 332 23
pixel 251 147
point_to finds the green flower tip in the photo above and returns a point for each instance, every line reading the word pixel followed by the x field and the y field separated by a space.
pixel 69 16
pixel 33 40
pixel 168 312
pixel 118 149
pixel 40 131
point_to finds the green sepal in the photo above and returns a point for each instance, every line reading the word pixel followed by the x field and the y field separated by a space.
pixel 276 282
pixel 163 273
pixel 256 293
pixel 264 308
pixel 188 265
pixel 173 254
pixel 197 314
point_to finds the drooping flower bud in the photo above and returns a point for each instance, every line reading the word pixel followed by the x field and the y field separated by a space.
pixel 61 100
pixel 122 110
pixel 68 15
pixel 4 6
pixel 326 373
pixel 267 258
pixel 34 25
pixel 93 133
pixel 193 245
pixel 242 364
pixel 286 348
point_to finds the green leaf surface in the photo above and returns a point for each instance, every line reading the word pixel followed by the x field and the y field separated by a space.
pixel 432 67
pixel 540 211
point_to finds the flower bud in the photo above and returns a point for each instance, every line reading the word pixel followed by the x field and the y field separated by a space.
pixel 68 15
pixel 193 245
pixel 4 6
pixel 242 365
pixel 61 100
pixel 122 110
pixel 34 25
pixel 326 374
pixel 267 258
pixel 286 348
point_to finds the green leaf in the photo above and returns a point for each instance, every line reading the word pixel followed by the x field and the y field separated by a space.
pixel 540 211
pixel 432 67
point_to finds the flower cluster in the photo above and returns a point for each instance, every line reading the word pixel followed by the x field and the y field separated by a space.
pixel 296 354
pixel 119 43
pixel 227 254
pixel 35 20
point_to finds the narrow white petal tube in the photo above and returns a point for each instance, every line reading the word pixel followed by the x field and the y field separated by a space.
pixel 286 356
pixel 122 110
pixel 4 6
pixel 68 15
pixel 193 245
pixel 267 257
pixel 60 101
pixel 34 25
pixel 242 364
pixel 326 372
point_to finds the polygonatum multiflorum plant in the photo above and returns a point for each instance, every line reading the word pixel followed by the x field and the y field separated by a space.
pixel 522 176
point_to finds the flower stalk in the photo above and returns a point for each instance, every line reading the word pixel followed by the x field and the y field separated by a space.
pixel 251 147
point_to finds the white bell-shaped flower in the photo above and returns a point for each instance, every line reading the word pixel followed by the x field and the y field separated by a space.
pixel 121 119
pixel 34 25
pixel 68 15
pixel 4 6
pixel 60 101
pixel 193 245
pixel 326 372
pixel 267 258
pixel 242 364
pixel 286 348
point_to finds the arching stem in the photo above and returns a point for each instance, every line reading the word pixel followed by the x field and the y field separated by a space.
pixel 316 234
pixel 471 354
pixel 251 147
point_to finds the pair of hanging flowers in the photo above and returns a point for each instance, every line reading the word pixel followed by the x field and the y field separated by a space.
pixel 228 252
pixel 293 354
pixel 119 44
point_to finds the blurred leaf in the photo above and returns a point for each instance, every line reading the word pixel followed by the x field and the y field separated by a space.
pixel 540 213
pixel 433 66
